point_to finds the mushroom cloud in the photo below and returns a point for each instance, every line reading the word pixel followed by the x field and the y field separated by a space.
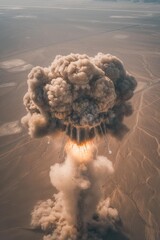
pixel 80 95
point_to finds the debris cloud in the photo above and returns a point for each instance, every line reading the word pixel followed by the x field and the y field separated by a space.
pixel 80 95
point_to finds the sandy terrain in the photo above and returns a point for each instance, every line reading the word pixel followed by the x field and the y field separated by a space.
pixel 32 36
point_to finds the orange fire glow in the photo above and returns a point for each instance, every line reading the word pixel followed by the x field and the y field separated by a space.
pixel 81 153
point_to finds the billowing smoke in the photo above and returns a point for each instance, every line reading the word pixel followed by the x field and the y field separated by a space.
pixel 80 95
pixel 83 97
pixel 79 211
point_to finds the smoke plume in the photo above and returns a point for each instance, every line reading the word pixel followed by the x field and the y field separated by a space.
pixel 79 210
pixel 83 97
pixel 79 95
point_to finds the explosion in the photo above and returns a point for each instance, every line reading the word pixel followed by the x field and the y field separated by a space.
pixel 81 153
pixel 79 95
pixel 83 97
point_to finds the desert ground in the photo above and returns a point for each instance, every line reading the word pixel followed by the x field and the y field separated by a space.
pixel 32 34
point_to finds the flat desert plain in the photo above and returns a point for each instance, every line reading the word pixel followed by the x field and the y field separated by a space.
pixel 32 34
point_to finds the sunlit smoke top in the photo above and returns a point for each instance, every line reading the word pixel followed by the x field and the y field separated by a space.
pixel 80 95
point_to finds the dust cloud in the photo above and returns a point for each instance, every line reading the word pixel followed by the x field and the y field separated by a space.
pixel 79 211
pixel 80 95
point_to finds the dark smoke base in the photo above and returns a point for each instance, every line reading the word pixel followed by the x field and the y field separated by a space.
pixel 113 124
pixel 106 226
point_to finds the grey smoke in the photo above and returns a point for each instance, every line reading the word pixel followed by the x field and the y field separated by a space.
pixel 80 95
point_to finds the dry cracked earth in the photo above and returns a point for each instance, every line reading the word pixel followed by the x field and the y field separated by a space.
pixel 33 36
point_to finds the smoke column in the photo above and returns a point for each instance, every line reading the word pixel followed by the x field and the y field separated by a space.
pixel 83 97
pixel 79 210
